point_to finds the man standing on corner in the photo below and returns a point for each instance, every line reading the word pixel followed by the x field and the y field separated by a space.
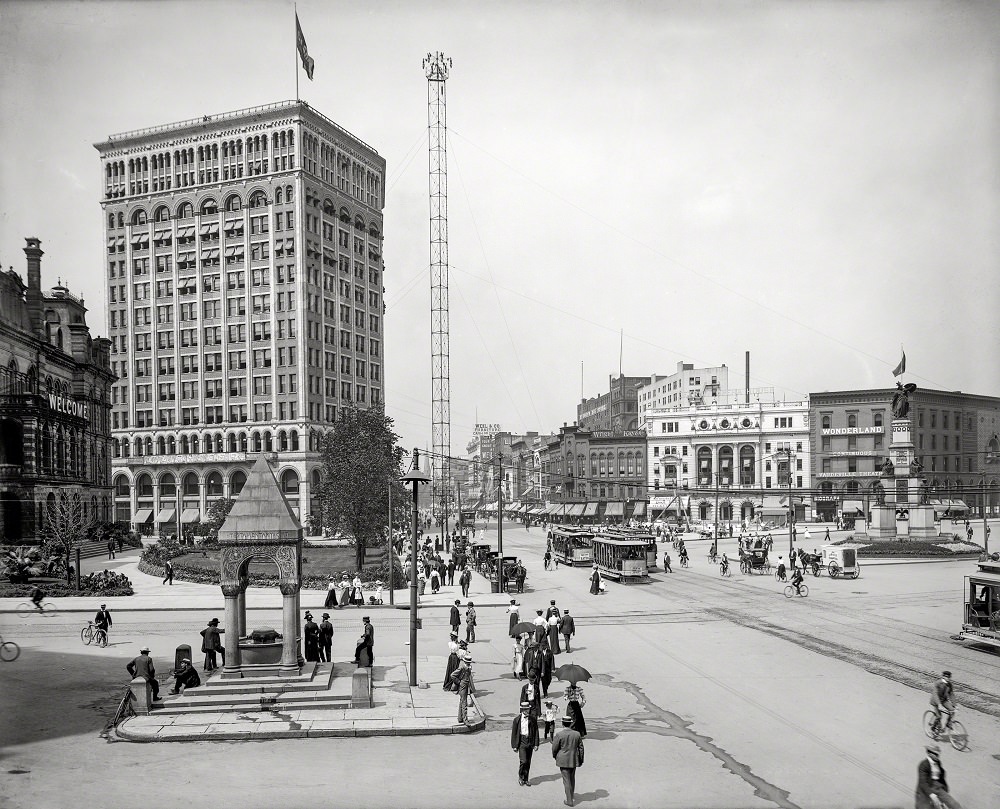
pixel 369 632
pixel 567 627
pixel 455 618
pixel 465 580
pixel 524 742
pixel 567 750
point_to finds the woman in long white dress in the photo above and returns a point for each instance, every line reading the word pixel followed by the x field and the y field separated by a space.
pixel 518 662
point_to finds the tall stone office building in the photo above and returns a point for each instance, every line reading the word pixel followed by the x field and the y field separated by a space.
pixel 244 271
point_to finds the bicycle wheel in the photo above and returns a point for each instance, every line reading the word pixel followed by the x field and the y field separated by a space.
pixel 930 724
pixel 9 651
pixel 101 638
pixel 803 590
pixel 789 591
pixel 49 609
pixel 24 609
pixel 957 736
pixel 87 635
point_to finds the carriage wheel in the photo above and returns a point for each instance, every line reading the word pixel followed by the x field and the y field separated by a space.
pixel 834 570
pixel 744 566
pixel 856 573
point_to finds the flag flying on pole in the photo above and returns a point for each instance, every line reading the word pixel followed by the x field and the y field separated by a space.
pixel 308 63
pixel 901 367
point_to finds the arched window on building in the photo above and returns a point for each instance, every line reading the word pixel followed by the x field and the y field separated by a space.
pixel 290 482
pixel 236 482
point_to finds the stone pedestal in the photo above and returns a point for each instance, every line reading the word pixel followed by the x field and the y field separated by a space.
pixel 903 514
pixel 883 522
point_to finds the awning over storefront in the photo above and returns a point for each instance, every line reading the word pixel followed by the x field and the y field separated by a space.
pixel 576 510
pixel 773 512
pixel 558 509
pixel 640 509
pixel 615 509
pixel 165 515
pixel 190 515
pixel 949 505
pixel 142 515
pixel 590 510
pixel 853 505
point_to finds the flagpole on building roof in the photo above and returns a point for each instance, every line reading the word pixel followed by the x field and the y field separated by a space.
pixel 295 57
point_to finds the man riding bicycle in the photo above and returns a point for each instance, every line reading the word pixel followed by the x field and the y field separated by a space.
pixel 36 597
pixel 797 580
pixel 941 698
pixel 725 564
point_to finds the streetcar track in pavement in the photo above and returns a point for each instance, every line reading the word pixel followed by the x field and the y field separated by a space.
pixel 744 697
pixel 874 635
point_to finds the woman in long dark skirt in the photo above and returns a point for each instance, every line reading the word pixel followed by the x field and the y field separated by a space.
pixel 575 700
pixel 311 636
pixel 452 661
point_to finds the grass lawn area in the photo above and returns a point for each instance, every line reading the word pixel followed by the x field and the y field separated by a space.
pixel 321 562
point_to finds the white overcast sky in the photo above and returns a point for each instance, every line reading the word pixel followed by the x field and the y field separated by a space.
pixel 815 182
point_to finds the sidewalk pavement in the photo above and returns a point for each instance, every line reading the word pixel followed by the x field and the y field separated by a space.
pixel 151 595
pixel 399 710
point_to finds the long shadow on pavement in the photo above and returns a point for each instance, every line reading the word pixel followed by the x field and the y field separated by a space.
pixel 48 695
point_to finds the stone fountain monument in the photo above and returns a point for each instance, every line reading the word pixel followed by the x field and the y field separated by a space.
pixel 261 527
pixel 903 511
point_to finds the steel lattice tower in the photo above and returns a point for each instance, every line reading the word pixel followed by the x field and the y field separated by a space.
pixel 436 68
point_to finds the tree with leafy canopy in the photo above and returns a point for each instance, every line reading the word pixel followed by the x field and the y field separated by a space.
pixel 361 460
pixel 218 512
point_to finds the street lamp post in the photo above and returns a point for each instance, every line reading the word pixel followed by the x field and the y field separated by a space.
pixel 500 509
pixel 392 577
pixel 416 477
pixel 716 534
pixel 986 528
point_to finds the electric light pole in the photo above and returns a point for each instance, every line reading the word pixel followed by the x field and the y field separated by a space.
pixel 416 477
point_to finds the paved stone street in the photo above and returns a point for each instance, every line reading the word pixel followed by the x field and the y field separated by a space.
pixel 706 693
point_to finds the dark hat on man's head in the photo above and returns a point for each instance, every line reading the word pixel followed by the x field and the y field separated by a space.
pixel 365 618
pixel 553 601
pixel 326 615
pixel 458 601
pixel 214 622
pixel 946 674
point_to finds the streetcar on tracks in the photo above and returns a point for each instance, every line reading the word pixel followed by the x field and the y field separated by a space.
pixel 981 620
pixel 571 545
pixel 621 555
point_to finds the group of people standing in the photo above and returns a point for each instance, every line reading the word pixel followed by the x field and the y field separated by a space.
pixel 318 641
pixel 534 658
pixel 349 592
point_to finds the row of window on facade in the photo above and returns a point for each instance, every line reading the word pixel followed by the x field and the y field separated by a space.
pixel 256 441
pixel 211 481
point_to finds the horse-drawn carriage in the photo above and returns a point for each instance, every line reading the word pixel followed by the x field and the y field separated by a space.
pixel 755 561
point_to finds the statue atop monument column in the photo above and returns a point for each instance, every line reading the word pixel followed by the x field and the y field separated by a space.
pixel 901 400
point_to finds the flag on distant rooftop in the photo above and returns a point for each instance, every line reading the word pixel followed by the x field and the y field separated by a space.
pixel 308 63
pixel 899 369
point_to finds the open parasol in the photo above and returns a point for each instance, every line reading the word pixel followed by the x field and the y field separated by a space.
pixel 523 628
pixel 572 673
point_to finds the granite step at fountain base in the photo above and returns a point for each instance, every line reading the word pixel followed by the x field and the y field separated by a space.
pixel 319 685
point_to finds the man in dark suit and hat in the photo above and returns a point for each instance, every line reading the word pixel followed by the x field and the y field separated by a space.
pixel 524 741
pixel 325 639
pixel 567 750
